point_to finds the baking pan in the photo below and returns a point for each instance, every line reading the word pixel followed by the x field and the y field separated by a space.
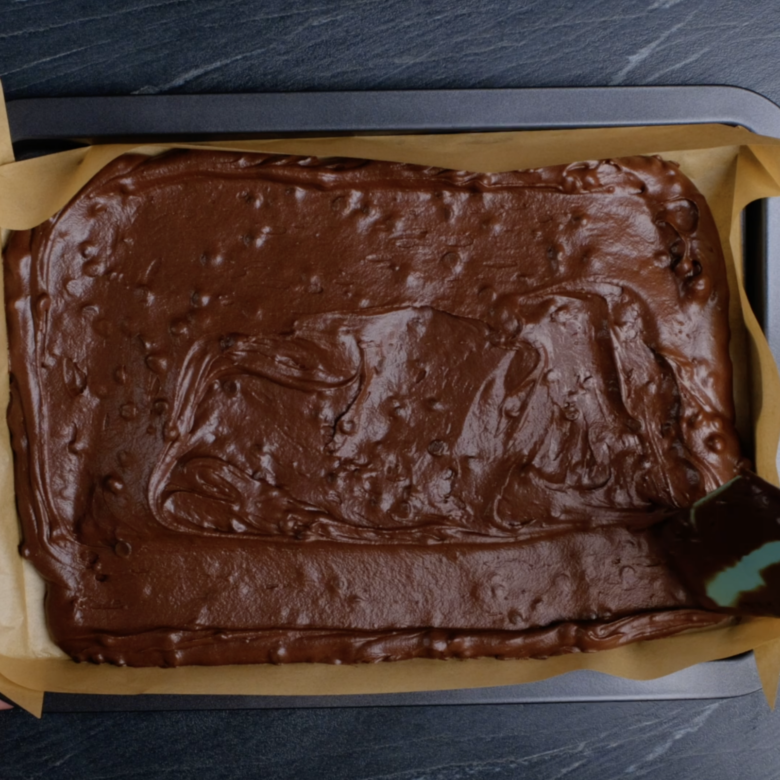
pixel 43 125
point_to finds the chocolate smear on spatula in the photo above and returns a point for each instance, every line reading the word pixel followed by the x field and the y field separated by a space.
pixel 726 547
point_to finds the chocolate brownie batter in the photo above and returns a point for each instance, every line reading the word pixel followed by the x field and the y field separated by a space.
pixel 284 409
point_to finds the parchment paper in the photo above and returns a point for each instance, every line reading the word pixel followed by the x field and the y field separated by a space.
pixel 731 166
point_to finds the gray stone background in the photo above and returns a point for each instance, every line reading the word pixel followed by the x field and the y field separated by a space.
pixel 84 47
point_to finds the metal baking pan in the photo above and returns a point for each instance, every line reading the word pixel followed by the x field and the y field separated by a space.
pixel 43 125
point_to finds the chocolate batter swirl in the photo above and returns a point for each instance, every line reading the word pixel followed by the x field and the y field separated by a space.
pixel 293 377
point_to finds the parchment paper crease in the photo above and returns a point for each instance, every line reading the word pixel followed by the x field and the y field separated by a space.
pixel 731 166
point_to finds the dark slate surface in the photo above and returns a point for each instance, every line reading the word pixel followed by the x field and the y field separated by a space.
pixel 88 47
pixel 67 47
pixel 730 739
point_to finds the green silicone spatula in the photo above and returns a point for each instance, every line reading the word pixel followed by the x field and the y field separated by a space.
pixel 727 547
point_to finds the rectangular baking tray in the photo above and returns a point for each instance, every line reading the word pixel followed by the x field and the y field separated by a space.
pixel 44 125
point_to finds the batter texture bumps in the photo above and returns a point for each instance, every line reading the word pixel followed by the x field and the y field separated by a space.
pixel 284 409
